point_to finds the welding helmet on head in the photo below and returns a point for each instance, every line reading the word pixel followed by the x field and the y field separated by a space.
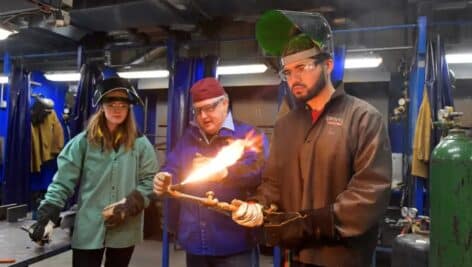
pixel 276 28
pixel 115 83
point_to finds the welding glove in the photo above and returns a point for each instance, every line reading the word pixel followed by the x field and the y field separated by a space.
pixel 115 214
pixel 248 214
pixel 161 182
pixel 199 161
pixel 47 217
pixel 293 229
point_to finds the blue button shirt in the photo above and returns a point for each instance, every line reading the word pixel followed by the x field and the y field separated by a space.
pixel 204 231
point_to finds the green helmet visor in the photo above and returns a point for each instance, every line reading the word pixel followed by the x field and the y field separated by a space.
pixel 276 27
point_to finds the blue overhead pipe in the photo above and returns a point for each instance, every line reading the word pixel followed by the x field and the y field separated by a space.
pixel 416 96
pixel 377 28
pixel 83 51
pixel 452 23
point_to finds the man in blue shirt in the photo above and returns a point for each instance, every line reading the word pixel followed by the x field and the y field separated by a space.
pixel 210 238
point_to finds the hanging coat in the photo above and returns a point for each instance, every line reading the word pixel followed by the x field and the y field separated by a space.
pixel 422 139
pixel 47 140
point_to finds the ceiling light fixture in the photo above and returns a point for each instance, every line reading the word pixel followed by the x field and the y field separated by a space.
pixel 221 70
pixel 459 58
pixel 4 34
pixel 63 77
pixel 3 79
pixel 362 62
pixel 144 74
pixel 241 69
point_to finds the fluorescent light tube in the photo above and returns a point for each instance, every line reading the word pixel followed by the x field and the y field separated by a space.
pixel 144 74
pixel 4 34
pixel 63 77
pixel 459 58
pixel 3 79
pixel 241 69
pixel 362 62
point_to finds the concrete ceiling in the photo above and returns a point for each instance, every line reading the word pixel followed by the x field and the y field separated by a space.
pixel 121 32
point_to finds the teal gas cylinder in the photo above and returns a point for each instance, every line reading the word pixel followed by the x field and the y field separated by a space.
pixel 451 201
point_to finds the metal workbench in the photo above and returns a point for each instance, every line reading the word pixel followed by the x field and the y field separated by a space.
pixel 15 243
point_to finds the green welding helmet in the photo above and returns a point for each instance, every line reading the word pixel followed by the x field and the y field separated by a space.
pixel 275 28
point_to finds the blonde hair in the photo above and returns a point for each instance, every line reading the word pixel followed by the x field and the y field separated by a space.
pixel 99 135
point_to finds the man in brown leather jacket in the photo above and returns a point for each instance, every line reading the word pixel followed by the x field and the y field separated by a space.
pixel 329 168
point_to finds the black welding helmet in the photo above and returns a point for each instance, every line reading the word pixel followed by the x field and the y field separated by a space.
pixel 115 83
pixel 275 28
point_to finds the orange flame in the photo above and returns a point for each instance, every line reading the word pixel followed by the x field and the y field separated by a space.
pixel 226 157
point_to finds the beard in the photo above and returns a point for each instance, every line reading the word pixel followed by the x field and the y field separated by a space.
pixel 314 90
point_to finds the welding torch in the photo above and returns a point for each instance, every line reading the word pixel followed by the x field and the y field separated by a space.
pixel 210 200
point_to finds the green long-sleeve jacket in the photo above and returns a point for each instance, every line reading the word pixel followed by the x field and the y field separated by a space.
pixel 106 177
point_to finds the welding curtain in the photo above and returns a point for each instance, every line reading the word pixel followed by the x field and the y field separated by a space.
pixel 16 184
pixel 439 83
pixel 187 72
pixel 90 74
pixel 436 95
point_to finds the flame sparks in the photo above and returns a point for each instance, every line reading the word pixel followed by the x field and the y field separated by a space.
pixel 226 157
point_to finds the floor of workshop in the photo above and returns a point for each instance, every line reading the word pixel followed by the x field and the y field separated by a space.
pixel 146 254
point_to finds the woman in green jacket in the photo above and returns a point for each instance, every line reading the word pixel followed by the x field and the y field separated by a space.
pixel 112 164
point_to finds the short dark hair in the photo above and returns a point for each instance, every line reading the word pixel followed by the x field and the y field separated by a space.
pixel 297 44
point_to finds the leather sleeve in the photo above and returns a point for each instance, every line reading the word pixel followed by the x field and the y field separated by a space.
pixel 366 197
pixel 268 191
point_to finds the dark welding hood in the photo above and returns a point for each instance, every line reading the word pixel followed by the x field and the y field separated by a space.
pixel 116 83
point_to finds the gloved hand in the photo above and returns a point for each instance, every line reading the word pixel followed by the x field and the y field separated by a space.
pixel 115 214
pixel 47 217
pixel 248 214
pixel 199 161
pixel 161 182
pixel 293 229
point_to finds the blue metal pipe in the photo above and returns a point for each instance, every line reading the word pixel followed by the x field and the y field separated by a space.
pixel 86 52
pixel 165 233
pixel 377 28
pixel 277 257
pixel 452 23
